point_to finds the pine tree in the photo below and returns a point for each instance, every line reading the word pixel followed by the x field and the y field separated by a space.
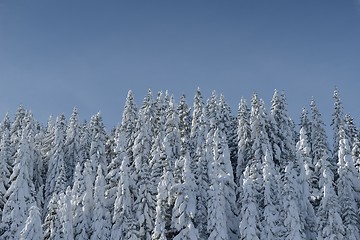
pixel 32 229
pixel 100 222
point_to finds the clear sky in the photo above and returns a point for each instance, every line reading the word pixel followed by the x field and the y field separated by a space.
pixel 55 55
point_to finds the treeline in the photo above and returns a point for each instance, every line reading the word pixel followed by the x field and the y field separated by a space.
pixel 171 171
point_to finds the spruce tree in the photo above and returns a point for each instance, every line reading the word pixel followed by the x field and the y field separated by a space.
pixel 284 131
pixel 198 134
pixel 250 217
pixel 320 152
pixel 72 146
pixel 97 147
pixel 164 206
pixel 294 227
pixel 65 214
pixel 336 123
pixel 123 222
pixel 20 195
pixel 124 140
pixel 101 216
pixel 5 168
pixel 184 120
pixel 307 214
pixel 244 140
pixel 329 222
pixel 33 228
pixel 348 187
pixel 87 198
pixel 56 164
pixel 185 203
pixel 144 206
pixel 228 125
pixel 78 192
pixel 52 226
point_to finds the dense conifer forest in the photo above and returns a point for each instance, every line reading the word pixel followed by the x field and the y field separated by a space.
pixel 171 170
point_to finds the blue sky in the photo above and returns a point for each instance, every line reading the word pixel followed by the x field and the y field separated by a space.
pixel 55 55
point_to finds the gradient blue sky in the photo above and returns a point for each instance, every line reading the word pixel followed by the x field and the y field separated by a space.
pixel 55 55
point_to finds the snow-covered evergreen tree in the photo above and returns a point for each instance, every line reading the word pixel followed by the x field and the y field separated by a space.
pixel 198 134
pixel 87 198
pixel 5 168
pixel 329 222
pixel 56 164
pixel 184 120
pixel 65 214
pixel 144 206
pixel 78 191
pixel 16 128
pixel 172 141
pixel 20 195
pixel 123 222
pixel 164 206
pixel 97 149
pixel 33 228
pixel 244 140
pixel 185 203
pixel 284 131
pixel 294 227
pixel 228 125
pixel 72 146
pixel 307 214
pixel 124 140
pixel 252 185
pixel 222 211
pixel 320 151
pixel 271 227
pixel 52 226
pixel 249 215
pixel 348 187
pixel 101 216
